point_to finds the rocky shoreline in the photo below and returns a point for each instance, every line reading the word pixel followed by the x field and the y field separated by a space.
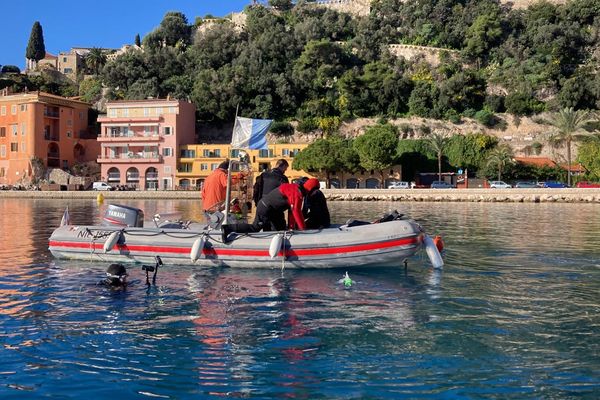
pixel 570 195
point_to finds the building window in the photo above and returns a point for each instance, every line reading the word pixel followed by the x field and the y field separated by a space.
pixel 235 153
pixel 159 111
pixel 264 153
pixel 23 147
pixel 187 153
pixel 68 133
pixel 23 128
pixel 14 147
pixel 167 169
pixel 2 171
pixel 167 152
pixel 185 167
pixel 285 152
pixel 2 131
pixel 126 112
pixel 167 130
pixel 3 151
pixel 146 111
pixel 3 110
pixel 15 130
pixel 80 115
pixel 23 107
pixel 214 166
pixel 203 167
pixel 69 122
pixel 171 110
pixel 112 112
pixel 13 109
pixel 205 153
pixel 217 153
pixel 68 71
pixel 64 59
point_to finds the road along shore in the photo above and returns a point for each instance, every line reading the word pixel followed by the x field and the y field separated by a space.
pixel 570 195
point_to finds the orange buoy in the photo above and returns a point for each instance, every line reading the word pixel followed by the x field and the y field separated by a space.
pixel 439 243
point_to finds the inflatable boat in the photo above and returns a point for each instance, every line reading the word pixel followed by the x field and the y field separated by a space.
pixel 123 238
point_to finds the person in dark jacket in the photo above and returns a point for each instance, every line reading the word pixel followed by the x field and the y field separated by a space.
pixel 270 180
pixel 314 207
pixel 270 212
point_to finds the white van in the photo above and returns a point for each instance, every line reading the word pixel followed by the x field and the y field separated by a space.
pixel 101 186
pixel 399 185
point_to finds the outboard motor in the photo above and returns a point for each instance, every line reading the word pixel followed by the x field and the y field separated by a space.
pixel 123 216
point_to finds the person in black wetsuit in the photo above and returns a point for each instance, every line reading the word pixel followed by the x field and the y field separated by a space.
pixel 269 180
pixel 270 212
pixel 314 208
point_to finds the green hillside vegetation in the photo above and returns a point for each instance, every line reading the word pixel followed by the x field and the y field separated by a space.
pixel 318 67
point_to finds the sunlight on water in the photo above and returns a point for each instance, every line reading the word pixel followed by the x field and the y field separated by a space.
pixel 514 314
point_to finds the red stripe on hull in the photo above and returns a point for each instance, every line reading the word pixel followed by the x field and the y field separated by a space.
pixel 247 252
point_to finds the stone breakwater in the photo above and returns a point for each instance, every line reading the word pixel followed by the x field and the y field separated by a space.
pixel 424 195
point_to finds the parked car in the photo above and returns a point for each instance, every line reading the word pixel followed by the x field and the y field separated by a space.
pixel 399 185
pixel 554 184
pixel 499 185
pixel 441 185
pixel 526 185
pixel 101 186
pixel 586 184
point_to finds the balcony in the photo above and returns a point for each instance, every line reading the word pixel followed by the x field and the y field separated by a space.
pixel 133 177
pixel 121 158
pixel 51 114
pixel 131 137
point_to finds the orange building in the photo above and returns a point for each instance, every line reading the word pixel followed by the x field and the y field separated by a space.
pixel 49 128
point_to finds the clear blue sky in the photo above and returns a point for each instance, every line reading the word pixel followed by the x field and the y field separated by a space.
pixel 104 23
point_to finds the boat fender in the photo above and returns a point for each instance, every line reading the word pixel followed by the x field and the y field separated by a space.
pixel 275 246
pixel 112 241
pixel 439 243
pixel 433 253
pixel 197 248
pixel 100 198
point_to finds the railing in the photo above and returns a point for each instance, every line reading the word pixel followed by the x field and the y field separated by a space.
pixel 114 176
pixel 53 114
pixel 133 177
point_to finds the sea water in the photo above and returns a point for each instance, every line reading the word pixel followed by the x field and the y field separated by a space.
pixel 515 313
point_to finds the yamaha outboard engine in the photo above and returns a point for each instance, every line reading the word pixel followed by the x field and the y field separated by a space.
pixel 123 216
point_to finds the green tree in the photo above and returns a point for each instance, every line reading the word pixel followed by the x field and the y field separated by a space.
pixel 588 155
pixel 137 40
pixel 281 5
pixel 36 50
pixel 500 158
pixel 325 156
pixel 376 148
pixel 569 125
pixel 95 60
pixel 437 141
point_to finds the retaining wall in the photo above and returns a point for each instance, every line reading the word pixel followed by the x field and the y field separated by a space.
pixel 426 195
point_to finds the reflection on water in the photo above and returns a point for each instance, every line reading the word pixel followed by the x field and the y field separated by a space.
pixel 514 314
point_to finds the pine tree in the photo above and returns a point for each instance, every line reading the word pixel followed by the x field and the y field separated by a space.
pixel 36 50
pixel 138 42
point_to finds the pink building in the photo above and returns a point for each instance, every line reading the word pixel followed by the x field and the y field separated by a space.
pixel 139 141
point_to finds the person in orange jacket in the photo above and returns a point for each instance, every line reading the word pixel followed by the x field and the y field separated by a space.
pixel 214 190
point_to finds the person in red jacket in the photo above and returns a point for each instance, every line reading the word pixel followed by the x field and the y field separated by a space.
pixel 271 208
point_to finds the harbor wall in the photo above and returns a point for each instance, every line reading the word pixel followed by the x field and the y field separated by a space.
pixel 570 195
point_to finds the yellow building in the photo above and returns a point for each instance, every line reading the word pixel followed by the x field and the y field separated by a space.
pixel 197 161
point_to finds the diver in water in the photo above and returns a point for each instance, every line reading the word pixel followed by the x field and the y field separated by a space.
pixel 116 277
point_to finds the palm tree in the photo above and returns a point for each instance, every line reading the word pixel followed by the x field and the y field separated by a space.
pixel 437 143
pixel 95 59
pixel 500 157
pixel 569 124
